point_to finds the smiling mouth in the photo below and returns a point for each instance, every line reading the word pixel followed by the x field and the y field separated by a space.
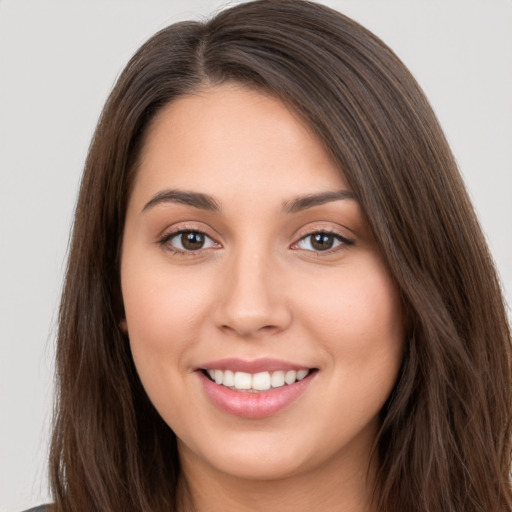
pixel 256 382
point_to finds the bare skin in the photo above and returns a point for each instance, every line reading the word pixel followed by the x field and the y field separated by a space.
pixel 303 493
pixel 244 244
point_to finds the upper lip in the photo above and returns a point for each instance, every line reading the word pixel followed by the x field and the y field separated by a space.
pixel 253 366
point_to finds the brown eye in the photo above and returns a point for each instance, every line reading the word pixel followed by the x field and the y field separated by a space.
pixel 188 241
pixel 322 241
pixel 192 240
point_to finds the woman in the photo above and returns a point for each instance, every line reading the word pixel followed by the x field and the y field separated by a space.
pixel 277 294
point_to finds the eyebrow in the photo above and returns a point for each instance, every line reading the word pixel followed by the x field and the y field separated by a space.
pixel 206 202
pixel 311 200
pixel 195 199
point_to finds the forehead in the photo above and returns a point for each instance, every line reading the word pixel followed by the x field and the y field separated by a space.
pixel 231 140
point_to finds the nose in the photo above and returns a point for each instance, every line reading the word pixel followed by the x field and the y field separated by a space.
pixel 252 301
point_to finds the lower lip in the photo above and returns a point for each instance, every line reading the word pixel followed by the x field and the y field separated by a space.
pixel 254 405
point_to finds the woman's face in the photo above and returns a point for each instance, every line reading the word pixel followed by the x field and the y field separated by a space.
pixel 247 260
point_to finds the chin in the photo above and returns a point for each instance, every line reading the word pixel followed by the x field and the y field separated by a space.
pixel 253 457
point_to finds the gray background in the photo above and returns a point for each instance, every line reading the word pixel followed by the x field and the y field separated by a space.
pixel 58 61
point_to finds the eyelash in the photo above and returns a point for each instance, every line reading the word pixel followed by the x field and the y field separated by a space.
pixel 164 241
pixel 344 242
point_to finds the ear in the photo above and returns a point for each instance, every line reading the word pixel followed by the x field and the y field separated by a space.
pixel 123 325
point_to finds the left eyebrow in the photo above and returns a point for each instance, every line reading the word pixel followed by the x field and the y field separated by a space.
pixel 311 200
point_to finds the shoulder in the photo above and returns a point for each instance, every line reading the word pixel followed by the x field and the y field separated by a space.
pixel 41 508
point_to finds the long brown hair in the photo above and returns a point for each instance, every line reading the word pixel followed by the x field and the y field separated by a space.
pixel 445 439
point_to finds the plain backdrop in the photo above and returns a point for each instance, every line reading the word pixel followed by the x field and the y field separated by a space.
pixel 59 60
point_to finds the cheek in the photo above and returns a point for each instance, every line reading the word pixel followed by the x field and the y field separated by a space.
pixel 158 303
pixel 356 316
pixel 164 312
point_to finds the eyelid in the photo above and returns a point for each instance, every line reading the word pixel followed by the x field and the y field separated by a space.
pixel 344 241
pixel 170 233
pixel 164 240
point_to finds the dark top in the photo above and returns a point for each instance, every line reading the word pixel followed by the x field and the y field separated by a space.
pixel 41 508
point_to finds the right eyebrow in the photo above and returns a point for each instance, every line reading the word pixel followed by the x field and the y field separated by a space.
pixel 195 199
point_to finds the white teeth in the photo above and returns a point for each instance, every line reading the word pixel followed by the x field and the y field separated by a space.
pixel 301 374
pixel 261 381
pixel 277 379
pixel 290 376
pixel 243 380
pixel 229 378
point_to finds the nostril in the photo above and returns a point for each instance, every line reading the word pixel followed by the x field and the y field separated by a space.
pixel 250 301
